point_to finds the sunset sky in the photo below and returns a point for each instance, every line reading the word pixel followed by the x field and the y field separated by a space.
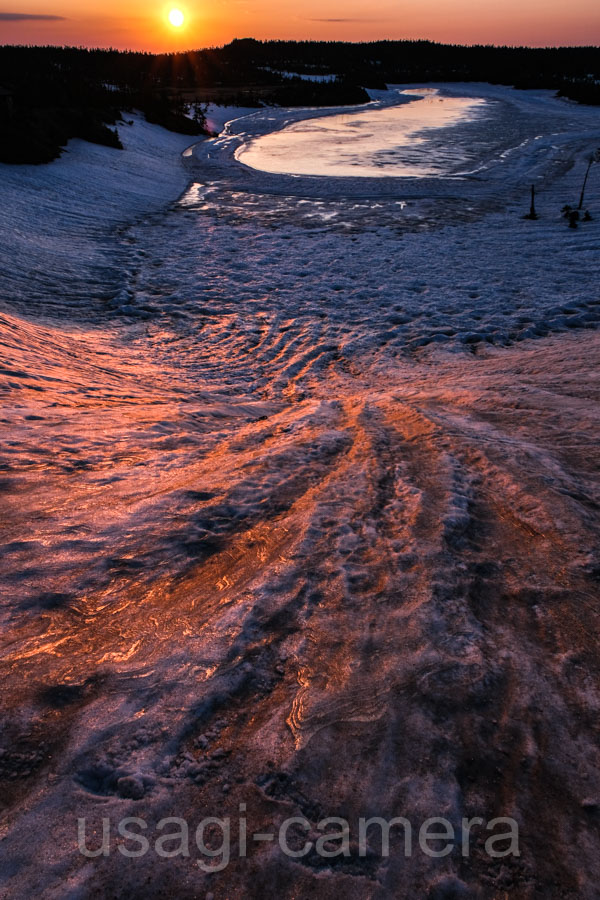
pixel 142 24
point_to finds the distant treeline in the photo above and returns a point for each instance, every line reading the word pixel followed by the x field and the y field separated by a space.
pixel 51 94
pixel 379 62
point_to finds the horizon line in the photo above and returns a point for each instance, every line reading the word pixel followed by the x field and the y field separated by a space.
pixel 411 40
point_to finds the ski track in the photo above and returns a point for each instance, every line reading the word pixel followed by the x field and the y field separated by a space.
pixel 300 508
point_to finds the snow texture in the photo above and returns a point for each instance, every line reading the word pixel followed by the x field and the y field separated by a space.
pixel 300 507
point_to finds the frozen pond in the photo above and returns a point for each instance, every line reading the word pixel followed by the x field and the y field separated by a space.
pixel 418 138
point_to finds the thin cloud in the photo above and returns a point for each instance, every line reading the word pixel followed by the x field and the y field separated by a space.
pixel 343 20
pixel 28 17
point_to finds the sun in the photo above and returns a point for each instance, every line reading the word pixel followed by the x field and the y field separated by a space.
pixel 176 18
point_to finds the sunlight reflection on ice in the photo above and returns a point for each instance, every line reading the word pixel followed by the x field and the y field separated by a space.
pixel 405 140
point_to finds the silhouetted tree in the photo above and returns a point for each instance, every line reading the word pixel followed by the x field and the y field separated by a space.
pixel 595 157
pixel 532 214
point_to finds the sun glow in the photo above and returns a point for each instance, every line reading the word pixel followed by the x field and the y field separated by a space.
pixel 176 18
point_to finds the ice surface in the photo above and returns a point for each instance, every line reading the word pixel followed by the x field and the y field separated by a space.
pixel 397 141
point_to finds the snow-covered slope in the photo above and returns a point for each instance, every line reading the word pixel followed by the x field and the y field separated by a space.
pixel 58 221
pixel 307 520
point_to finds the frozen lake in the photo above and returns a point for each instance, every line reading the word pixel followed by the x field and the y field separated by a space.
pixel 418 138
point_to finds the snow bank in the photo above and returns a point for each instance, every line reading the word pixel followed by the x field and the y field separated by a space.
pixel 58 221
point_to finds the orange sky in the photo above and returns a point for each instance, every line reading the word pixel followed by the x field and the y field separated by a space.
pixel 142 24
